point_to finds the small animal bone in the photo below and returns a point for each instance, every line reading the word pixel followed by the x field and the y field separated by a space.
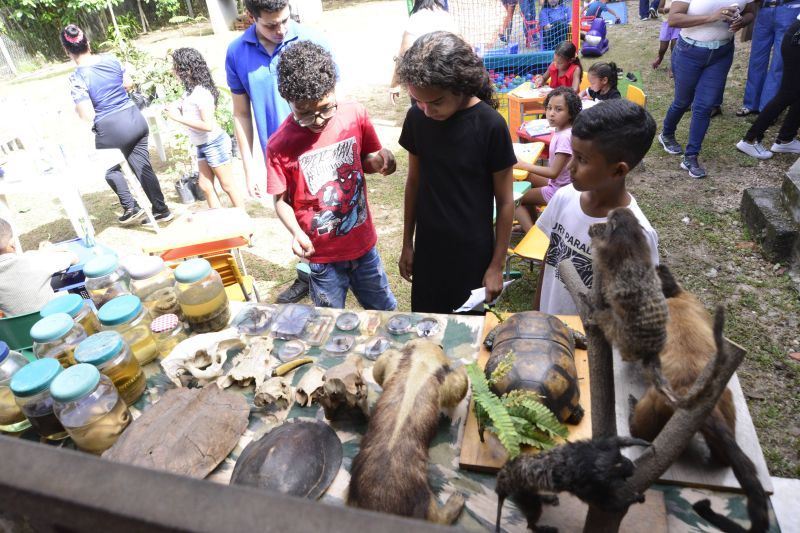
pixel 201 356
pixel 274 392
pixel 253 364
pixel 344 393
pixel 310 386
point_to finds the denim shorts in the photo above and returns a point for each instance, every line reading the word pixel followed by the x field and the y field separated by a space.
pixel 365 276
pixel 216 152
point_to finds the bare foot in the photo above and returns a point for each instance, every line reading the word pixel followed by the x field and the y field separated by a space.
pixel 657 63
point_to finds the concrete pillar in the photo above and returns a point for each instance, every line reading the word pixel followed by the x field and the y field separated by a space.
pixel 222 13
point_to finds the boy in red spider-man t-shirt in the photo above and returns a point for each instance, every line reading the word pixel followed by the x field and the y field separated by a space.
pixel 316 163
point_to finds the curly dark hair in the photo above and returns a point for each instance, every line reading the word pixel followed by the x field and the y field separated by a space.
pixel 571 98
pixel 74 40
pixel 442 59
pixel 192 70
pixel 619 129
pixel 306 72
pixel 255 7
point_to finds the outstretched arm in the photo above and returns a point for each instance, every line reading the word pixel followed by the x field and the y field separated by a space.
pixel 504 200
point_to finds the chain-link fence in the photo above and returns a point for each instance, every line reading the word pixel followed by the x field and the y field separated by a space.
pixel 12 58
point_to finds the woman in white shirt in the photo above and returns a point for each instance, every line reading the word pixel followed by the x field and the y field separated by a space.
pixel 426 16
pixel 196 111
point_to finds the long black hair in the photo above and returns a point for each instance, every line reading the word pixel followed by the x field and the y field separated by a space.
pixel 443 59
pixel 568 51
pixel 606 70
pixel 192 70
pixel 74 40
pixel 427 4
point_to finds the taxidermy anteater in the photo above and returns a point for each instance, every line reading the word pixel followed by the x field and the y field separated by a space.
pixel 390 472
pixel 691 343
pixel 626 297
pixel 592 470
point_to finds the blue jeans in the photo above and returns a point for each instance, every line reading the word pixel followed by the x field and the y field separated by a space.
pixel 699 75
pixel 644 7
pixel 763 76
pixel 365 275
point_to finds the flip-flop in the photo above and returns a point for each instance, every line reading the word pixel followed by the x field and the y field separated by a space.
pixel 744 111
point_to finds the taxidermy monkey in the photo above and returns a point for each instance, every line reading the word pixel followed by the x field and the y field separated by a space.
pixel 691 344
pixel 592 470
pixel 390 472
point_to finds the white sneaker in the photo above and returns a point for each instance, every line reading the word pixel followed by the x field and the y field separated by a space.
pixel 756 149
pixel 787 148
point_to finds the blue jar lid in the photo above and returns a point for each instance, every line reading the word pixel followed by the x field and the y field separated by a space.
pixel 143 267
pixel 34 377
pixel 99 348
pixel 119 310
pixel 100 266
pixel 70 304
pixel 192 270
pixel 75 382
pixel 3 351
pixel 52 327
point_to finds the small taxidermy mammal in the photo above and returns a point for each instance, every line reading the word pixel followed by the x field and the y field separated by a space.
pixel 390 472
pixel 592 470
pixel 691 344
pixel 626 296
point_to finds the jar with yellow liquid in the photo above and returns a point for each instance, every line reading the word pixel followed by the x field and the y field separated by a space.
pixel 154 283
pixel 105 279
pixel 127 315
pixel 56 336
pixel 202 296
pixel 109 352
pixel 76 307
pixel 31 388
pixel 12 420
pixel 168 331
pixel 89 407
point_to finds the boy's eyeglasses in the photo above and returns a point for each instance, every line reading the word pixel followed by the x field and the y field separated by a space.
pixel 308 119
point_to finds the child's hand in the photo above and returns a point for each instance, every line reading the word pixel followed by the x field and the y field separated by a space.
pixel 394 94
pixel 389 163
pixel 537 80
pixel 493 281
pixel 406 262
pixel 173 111
pixel 301 245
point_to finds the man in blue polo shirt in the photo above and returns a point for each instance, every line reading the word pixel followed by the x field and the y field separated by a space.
pixel 250 66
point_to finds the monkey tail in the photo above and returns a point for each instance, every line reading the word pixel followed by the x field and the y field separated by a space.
pixel 722 443
pixel 500 500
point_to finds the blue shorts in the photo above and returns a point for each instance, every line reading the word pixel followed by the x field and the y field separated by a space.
pixel 216 152
pixel 365 276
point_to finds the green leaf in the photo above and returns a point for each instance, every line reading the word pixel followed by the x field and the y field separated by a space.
pixel 502 424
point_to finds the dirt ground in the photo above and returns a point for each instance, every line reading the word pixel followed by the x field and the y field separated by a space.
pixel 701 235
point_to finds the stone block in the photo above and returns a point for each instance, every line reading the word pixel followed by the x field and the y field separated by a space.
pixel 769 224
pixel 790 194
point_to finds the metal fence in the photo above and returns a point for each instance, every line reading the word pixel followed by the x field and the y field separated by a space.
pixel 12 57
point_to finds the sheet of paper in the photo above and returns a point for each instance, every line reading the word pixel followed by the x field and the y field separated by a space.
pixel 477 297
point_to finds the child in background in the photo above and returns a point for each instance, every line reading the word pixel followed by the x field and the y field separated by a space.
pixel 667 37
pixel 597 8
pixel 603 79
pixel 565 70
pixel 196 112
pixel 554 21
pixel 460 162
pixel 316 162
pixel 25 279
pixel 608 140
pixel 561 105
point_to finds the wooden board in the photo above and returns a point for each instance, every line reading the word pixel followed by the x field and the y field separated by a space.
pixel 490 456
pixel 692 469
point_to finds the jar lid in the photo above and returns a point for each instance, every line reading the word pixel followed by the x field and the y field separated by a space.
pixel 119 310
pixel 70 304
pixel 100 266
pixel 99 348
pixel 52 327
pixel 164 323
pixel 75 382
pixel 3 351
pixel 34 377
pixel 144 266
pixel 192 270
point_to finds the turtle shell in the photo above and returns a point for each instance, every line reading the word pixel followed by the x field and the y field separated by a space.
pixel 300 458
pixel 544 362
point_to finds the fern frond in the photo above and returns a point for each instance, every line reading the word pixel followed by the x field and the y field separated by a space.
pixel 526 404
pixel 502 369
pixel 492 406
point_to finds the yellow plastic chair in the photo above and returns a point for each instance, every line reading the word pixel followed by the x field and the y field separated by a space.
pixel 239 288
pixel 636 95
pixel 584 81
pixel 532 247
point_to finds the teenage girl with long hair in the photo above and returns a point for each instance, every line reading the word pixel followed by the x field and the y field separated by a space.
pixel 196 111
pixel 460 161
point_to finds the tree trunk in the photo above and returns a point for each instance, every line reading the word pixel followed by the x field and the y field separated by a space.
pixel 189 8
pixel 142 17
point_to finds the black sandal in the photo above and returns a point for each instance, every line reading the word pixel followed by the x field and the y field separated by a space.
pixel 744 111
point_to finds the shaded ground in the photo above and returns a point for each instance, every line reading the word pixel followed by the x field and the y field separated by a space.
pixel 701 236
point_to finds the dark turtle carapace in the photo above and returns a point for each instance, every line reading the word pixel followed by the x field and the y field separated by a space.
pixel 299 457
pixel 544 362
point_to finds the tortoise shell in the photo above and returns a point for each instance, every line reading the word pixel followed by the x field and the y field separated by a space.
pixel 300 457
pixel 544 362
